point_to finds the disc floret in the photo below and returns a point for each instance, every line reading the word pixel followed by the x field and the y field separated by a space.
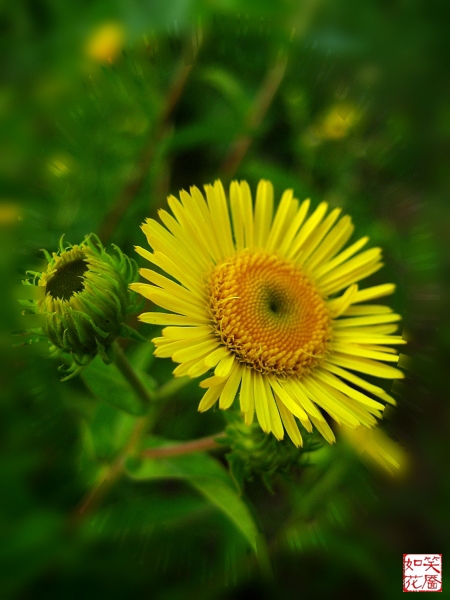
pixel 269 314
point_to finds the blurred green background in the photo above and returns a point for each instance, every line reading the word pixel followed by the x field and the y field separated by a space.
pixel 107 107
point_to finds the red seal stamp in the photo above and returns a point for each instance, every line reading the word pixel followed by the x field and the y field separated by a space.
pixel 422 572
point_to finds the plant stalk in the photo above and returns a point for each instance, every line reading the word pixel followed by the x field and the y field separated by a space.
pixel 124 366
pixel 200 445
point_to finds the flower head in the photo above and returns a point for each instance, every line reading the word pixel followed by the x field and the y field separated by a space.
pixel 86 300
pixel 270 302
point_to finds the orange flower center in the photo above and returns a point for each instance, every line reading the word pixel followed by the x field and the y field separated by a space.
pixel 269 313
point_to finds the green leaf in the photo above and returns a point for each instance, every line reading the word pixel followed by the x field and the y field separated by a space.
pixel 110 429
pixel 209 478
pixel 142 357
pixel 229 86
pixel 107 382
pixel 154 508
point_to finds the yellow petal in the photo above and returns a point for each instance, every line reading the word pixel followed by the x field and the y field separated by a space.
pixel 263 212
pixel 231 387
pixel 289 423
pixel 210 398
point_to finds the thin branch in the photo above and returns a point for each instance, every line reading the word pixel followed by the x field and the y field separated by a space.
pixel 106 480
pixel 263 100
pixel 131 189
pixel 267 92
pixel 108 477
pixel 200 445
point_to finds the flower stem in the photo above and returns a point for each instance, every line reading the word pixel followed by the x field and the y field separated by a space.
pixel 200 445
pixel 173 385
pixel 131 376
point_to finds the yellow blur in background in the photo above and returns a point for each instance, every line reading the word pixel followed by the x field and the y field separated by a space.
pixel 105 42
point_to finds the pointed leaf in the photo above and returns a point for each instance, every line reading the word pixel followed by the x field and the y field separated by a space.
pixel 107 382
pixel 209 478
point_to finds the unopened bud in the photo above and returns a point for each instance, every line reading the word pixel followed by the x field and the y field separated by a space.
pixel 254 452
pixel 86 300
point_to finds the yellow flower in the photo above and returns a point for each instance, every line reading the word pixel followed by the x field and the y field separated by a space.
pixel 105 42
pixel 10 213
pixel 337 122
pixel 270 302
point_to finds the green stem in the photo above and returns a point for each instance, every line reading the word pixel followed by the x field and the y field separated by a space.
pixel 109 475
pixel 114 471
pixel 131 376
pixel 173 385
pixel 200 445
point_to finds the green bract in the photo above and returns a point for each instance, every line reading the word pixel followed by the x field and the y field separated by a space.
pixel 86 300
pixel 253 452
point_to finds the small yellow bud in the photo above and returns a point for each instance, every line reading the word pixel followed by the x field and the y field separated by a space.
pixel 105 42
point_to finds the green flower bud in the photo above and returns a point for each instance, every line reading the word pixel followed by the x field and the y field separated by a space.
pixel 254 452
pixel 86 300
